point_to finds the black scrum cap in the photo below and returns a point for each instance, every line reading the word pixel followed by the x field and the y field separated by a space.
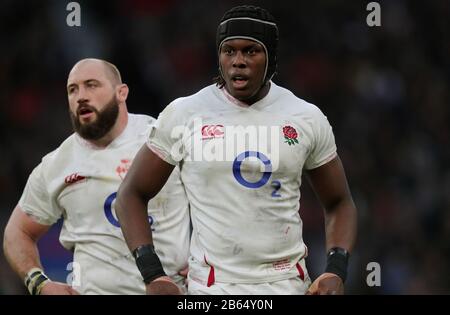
pixel 254 23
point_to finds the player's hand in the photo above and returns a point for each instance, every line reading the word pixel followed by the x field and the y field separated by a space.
pixel 327 284
pixel 184 272
pixel 162 286
pixel 57 288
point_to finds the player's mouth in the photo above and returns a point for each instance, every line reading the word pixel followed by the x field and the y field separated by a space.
pixel 85 113
pixel 239 82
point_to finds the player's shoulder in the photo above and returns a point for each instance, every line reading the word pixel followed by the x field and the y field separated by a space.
pixel 140 119
pixel 194 100
pixel 192 104
pixel 294 105
pixel 61 153
pixel 140 123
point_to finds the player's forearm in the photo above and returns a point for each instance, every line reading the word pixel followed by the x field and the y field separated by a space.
pixel 21 251
pixel 341 225
pixel 145 178
pixel 131 210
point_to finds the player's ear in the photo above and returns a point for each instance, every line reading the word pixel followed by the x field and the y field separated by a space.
pixel 122 92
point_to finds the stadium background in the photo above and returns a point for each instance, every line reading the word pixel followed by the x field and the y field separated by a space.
pixel 384 89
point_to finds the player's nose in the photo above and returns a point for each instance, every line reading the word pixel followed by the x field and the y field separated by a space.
pixel 82 96
pixel 82 101
pixel 239 60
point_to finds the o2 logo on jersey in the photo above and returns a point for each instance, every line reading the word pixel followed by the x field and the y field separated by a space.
pixel 237 169
pixel 109 215
pixel 266 174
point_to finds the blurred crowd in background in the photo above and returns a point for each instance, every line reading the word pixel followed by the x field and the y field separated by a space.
pixel 384 89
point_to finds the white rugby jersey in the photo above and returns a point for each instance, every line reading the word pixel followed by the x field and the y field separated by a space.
pixel 79 182
pixel 244 199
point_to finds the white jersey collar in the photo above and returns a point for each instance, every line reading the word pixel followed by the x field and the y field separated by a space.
pixel 262 102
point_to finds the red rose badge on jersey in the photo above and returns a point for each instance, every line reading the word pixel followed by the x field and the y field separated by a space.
pixel 290 135
pixel 122 169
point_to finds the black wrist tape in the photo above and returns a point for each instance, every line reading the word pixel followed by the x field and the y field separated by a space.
pixel 337 262
pixel 35 280
pixel 148 263
pixel 37 284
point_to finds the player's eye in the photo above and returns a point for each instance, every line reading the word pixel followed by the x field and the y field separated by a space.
pixel 253 51
pixel 228 51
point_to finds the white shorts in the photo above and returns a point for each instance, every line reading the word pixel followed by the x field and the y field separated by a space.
pixel 119 276
pixel 292 286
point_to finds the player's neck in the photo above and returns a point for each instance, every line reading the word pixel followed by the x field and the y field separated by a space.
pixel 259 95
pixel 119 127
pixel 262 92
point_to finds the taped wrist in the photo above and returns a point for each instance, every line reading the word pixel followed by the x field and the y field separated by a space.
pixel 337 262
pixel 148 263
pixel 35 281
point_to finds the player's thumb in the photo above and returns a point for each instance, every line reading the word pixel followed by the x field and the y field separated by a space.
pixel 72 291
pixel 312 290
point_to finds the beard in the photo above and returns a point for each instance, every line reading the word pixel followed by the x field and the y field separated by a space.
pixel 97 129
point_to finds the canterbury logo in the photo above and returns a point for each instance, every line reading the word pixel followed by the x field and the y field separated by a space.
pixel 73 178
pixel 212 131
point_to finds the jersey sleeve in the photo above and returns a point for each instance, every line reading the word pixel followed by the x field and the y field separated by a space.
pixel 36 200
pixel 323 145
pixel 166 135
